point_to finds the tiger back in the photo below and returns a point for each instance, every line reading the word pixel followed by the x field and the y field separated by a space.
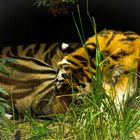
pixel 51 53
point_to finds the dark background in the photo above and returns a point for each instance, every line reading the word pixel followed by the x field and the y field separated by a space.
pixel 21 22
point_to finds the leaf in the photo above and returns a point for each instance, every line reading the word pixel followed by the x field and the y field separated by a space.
pixel 39 3
pixel 2 100
pixel 2 110
pixel 8 59
pixel 5 105
pixel 3 91
pixel 3 71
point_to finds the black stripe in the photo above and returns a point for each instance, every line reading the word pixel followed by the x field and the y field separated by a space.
pixel 111 38
pixel 30 53
pixel 79 58
pixel 88 79
pixel 104 33
pixel 111 66
pixel 120 55
pixel 128 39
pixel 18 95
pixel 37 48
pixel 33 83
pixel 84 63
pixel 26 69
pixel 46 88
pixel 79 75
pixel 50 50
pixel 20 83
pixel 67 68
pixel 8 54
pixel 24 47
pixel 34 60
pixel 131 38
pixel 91 51
pixel 63 66
pixel 116 57
pixel 47 46
pixel 93 65
pixel 50 46
pixel 86 75
pixel 72 62
pixel 127 71
pixel 129 33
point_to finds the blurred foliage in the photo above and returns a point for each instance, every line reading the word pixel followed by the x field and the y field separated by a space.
pixel 3 93
pixel 56 7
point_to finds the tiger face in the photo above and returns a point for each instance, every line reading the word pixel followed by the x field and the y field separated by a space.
pixel 75 78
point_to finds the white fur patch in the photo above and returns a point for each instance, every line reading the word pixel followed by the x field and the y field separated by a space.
pixel 64 46
pixel 64 61
pixel 60 73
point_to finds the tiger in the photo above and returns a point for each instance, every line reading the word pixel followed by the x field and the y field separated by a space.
pixel 31 79
pixel 120 59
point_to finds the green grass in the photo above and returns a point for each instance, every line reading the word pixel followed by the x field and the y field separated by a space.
pixel 91 116
pixel 85 120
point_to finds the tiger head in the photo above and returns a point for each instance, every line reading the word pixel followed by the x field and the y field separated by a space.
pixel 77 78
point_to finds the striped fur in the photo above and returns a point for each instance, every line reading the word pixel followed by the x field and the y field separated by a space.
pixel 121 50
pixel 50 53
pixel 30 82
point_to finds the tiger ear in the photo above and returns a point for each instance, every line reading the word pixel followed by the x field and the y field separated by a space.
pixel 64 46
